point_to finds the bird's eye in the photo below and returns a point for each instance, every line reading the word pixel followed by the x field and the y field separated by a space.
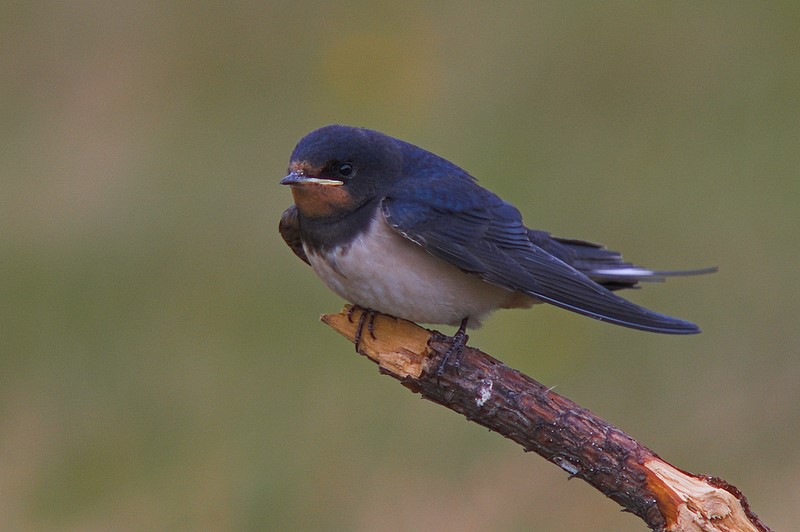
pixel 345 169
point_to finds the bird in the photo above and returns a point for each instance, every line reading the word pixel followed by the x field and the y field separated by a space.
pixel 395 229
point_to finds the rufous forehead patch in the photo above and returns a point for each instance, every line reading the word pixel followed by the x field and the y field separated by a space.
pixel 304 168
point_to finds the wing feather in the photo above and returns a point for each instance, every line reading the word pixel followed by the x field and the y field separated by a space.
pixel 289 228
pixel 476 231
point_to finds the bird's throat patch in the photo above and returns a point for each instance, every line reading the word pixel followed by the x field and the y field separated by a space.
pixel 318 201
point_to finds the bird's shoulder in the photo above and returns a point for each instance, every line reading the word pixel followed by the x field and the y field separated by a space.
pixel 454 208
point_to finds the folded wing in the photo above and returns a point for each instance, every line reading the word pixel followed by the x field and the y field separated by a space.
pixel 473 229
pixel 289 228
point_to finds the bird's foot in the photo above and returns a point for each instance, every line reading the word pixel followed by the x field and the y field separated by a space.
pixel 457 344
pixel 367 318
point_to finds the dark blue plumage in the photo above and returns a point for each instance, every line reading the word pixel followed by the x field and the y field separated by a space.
pixel 394 228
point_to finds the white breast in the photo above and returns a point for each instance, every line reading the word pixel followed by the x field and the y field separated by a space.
pixel 383 271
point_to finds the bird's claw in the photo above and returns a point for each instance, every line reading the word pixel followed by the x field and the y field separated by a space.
pixel 367 318
pixel 457 344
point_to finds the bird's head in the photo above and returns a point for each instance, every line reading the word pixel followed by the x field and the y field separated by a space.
pixel 336 170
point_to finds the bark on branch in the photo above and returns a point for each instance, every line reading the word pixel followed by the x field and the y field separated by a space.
pixel 527 412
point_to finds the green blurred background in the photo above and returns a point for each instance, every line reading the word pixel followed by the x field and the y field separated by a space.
pixel 162 363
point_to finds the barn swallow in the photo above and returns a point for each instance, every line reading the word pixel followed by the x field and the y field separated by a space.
pixel 395 229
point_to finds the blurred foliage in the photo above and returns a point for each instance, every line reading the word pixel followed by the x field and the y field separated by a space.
pixel 162 366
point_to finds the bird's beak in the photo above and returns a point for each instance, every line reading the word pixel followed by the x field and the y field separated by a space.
pixel 295 178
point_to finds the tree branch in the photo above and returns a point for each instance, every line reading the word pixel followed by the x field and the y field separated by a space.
pixel 527 412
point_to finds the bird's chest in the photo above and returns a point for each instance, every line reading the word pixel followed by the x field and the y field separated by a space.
pixel 381 270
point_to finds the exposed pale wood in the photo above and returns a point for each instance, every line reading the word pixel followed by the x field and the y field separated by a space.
pixel 691 502
pixel 401 359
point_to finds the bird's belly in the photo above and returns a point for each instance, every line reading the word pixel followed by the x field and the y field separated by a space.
pixel 383 271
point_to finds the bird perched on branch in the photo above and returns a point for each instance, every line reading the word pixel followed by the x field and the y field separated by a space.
pixel 395 229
